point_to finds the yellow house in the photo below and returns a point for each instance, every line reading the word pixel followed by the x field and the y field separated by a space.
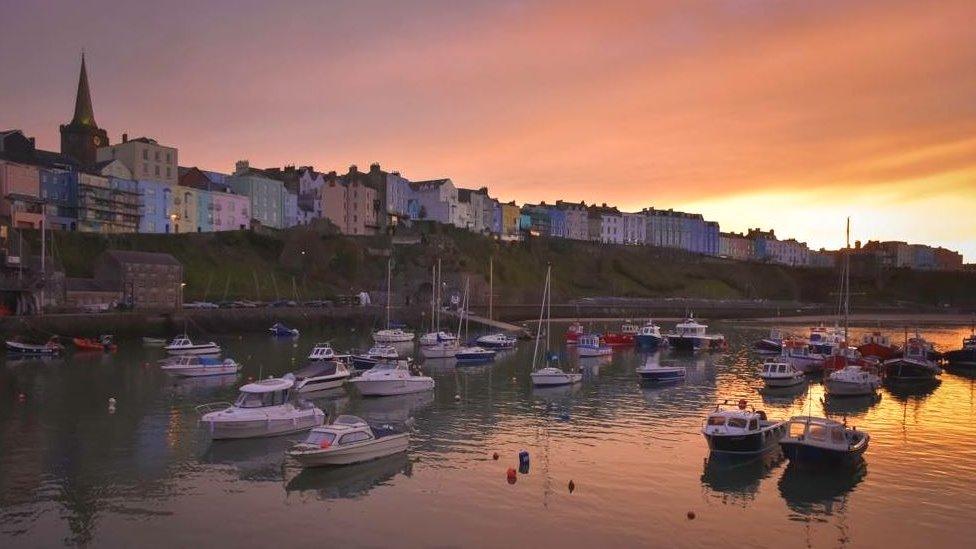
pixel 510 221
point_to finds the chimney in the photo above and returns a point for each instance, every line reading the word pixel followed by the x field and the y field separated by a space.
pixel 353 169
pixel 374 167
pixel 125 138
pixel 241 166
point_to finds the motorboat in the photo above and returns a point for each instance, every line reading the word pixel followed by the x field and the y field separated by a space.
pixel 591 345
pixel 182 345
pixel 817 440
pixel 320 375
pixel 445 349
pixel 823 339
pixel 391 377
pixel 573 333
pixel 652 371
pixel 649 337
pixel 773 343
pixel 52 347
pixel 325 352
pixel 801 356
pixel 781 374
pixel 474 355
pixel 392 335
pixel 852 380
pixel 348 440
pixel 199 366
pixel 915 365
pixel 691 335
pixel 433 338
pixel 374 355
pixel 624 338
pixel 280 330
pixel 264 408
pixel 497 341
pixel 101 343
pixel 965 357
pixel 552 376
pixel 741 430
pixel 878 345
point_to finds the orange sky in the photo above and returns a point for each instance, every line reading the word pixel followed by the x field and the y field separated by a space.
pixel 791 115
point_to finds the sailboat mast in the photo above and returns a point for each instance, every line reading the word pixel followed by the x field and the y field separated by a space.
pixel 542 312
pixel 491 285
pixel 433 294
pixel 847 283
pixel 548 305
pixel 389 289
pixel 440 297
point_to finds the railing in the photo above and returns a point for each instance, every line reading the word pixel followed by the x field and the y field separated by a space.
pixel 212 407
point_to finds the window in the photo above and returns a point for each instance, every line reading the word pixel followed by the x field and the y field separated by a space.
pixel 736 422
pixel 352 438
pixel 817 432
pixel 168 158
pixel 145 168
pixel 716 420
pixel 145 154
pixel 169 172
pixel 156 156
pixel 753 425
pixel 320 438
pixel 157 170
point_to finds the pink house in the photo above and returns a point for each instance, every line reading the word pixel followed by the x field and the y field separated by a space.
pixel 350 206
pixel 20 202
pixel 231 212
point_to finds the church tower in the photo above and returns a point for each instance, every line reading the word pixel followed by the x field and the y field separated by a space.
pixel 82 136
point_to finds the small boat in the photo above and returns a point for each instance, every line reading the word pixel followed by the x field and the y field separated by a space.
pixel 852 380
pixel 591 346
pixel 320 375
pixel 348 440
pixel 652 371
pixel 801 356
pixel 963 358
pixel 741 431
pixel 877 345
pixel 325 352
pixel 374 355
pixel 624 338
pixel 816 440
pixel 772 343
pixel 574 332
pixel 101 343
pixel 433 338
pixel 199 366
pixel 153 342
pixel 648 337
pixel 263 409
pixel 280 330
pixel 392 335
pixel 52 347
pixel 915 365
pixel 497 341
pixel 691 335
pixel 446 349
pixel 781 374
pixel 551 375
pixel 182 345
pixel 822 340
pixel 474 355
pixel 391 377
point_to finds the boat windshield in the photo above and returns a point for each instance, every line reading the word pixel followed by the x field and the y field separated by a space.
pixel 817 432
pixel 261 400
pixel 319 437
pixel 796 429
pixel 716 420
pixel 737 422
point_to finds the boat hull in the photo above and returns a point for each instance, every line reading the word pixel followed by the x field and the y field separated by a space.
pixel 906 369
pixel 850 389
pixel 752 443
pixel 589 352
pixel 649 342
pixel 393 338
pixel 686 343
pixel 375 449
pixel 203 371
pixel 806 454
pixel 313 384
pixel 662 375
pixel 805 363
pixel 961 358
pixel 390 387
pixel 769 346
pixel 545 379
pixel 780 382
pixel 881 352
pixel 194 350
pixel 28 349
pixel 224 429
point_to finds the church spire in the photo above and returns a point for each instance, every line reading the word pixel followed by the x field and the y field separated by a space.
pixel 84 114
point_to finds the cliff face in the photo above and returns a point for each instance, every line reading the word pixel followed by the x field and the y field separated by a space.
pixel 312 263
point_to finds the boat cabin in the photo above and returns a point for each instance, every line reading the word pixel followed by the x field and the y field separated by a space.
pixel 917 348
pixel 733 421
pixel 778 368
pixel 629 328
pixel 650 329
pixel 822 431
pixel 589 340
pixel 323 351
pixel 181 341
pixel 265 393
pixel 690 328
pixel 877 338
pixel 969 342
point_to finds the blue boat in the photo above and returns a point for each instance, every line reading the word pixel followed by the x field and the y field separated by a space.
pixel 652 372
pixel 474 355
pixel 649 337
pixel 280 330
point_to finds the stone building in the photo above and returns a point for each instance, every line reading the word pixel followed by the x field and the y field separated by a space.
pixel 145 280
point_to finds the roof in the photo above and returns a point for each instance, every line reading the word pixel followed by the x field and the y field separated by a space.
pixel 150 258
pixel 464 195
pixel 428 184
pixel 268 385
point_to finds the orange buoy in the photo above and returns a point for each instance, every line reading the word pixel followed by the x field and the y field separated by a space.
pixel 512 475
pixel 742 404
pixel 572 486
pixel 691 515
pixel 495 456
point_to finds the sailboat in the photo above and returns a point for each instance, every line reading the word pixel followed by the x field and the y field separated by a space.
pixel 473 354
pixel 436 336
pixel 441 347
pixel 497 340
pixel 391 335
pixel 551 375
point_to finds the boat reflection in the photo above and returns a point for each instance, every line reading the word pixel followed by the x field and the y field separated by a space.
pixel 201 386
pixel 398 408
pixel 736 479
pixel 850 406
pixel 818 492
pixel 556 393
pixel 350 481
pixel 903 391
pixel 782 395
pixel 257 460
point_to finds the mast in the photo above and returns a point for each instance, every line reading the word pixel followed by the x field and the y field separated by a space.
pixel 43 256
pixel 542 312
pixel 389 289
pixel 440 297
pixel 847 284
pixel 457 341
pixel 433 294
pixel 491 285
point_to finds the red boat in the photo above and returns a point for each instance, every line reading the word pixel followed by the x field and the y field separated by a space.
pixel 879 346
pixel 103 343
pixel 573 333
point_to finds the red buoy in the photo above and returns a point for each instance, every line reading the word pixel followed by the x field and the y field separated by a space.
pixel 691 515
pixel 22 397
pixel 495 456
pixel 512 475
pixel 742 404
pixel 572 486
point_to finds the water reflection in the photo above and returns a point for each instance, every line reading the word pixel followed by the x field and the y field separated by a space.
pixel 906 390
pixel 782 395
pixel 736 480
pixel 395 409
pixel 813 492
pixel 256 460
pixel 350 481
pixel 856 406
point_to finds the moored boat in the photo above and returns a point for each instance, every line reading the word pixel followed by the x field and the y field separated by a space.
pixel 801 356
pixel 773 343
pixel 373 355
pixel 433 338
pixel 348 440
pixel 182 345
pixel 914 365
pixel 573 333
pixel 392 335
pixel 199 366
pixel 780 374
pixel 101 343
pixel 741 431
pixel 852 380
pixel 550 375
pixel 965 357
pixel 324 351
pixel 652 371
pixel 474 355
pixel 264 408
pixel 691 335
pixel 320 375
pixel 51 347
pixel 280 330
pixel 391 377
pixel 877 345
pixel 591 345
pixel 649 337
pixel 821 441
pixel 497 341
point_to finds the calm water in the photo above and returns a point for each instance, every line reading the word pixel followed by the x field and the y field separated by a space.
pixel 72 473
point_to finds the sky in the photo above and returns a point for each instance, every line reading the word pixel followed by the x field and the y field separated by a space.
pixel 791 115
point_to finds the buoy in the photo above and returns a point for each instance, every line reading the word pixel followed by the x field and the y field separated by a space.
pixel 457 397
pixel 111 401
pixel 572 486
pixel 493 456
pixel 511 475
pixel 742 404
pixel 691 515
pixel 250 379
pixel 513 379
pixel 524 462
pixel 22 397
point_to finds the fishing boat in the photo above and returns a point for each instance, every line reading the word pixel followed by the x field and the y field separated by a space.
pixel 199 366
pixel 325 352
pixel 877 345
pixel 741 430
pixel 648 337
pixel 101 343
pixel 773 343
pixel 263 409
pixel 852 380
pixel 963 358
pixel 823 340
pixel 391 334
pixel 780 374
pixel 691 335
pixel 652 371
pixel 497 341
pixel 624 338
pixel 182 345
pixel 573 333
pixel 280 330
pixel 320 375
pixel 821 441
pixel 391 377
pixel 52 347
pixel 591 345
pixel 348 440
pixel 374 355
pixel 914 365
pixel 551 375
pixel 801 356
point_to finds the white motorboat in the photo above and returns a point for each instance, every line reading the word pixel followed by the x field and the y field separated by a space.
pixel 280 330
pixel 551 376
pixel 349 440
pixel 374 355
pixel 652 371
pixel 182 345
pixel 649 337
pixel 52 347
pixel 391 378
pixel 691 335
pixel 324 351
pixel 741 431
pixel 801 356
pixel 392 335
pixel 497 341
pixel 590 346
pixel 264 408
pixel 781 374
pixel 852 380
pixel 198 366
pixel 821 441
pixel 320 375
pixel 433 338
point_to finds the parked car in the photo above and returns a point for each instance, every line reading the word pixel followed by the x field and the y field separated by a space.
pixel 318 303
pixel 283 303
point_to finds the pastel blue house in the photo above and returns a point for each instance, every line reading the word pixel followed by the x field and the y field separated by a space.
pixel 156 196
pixel 59 190
pixel 290 209
pixel 205 208
pixel 267 195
